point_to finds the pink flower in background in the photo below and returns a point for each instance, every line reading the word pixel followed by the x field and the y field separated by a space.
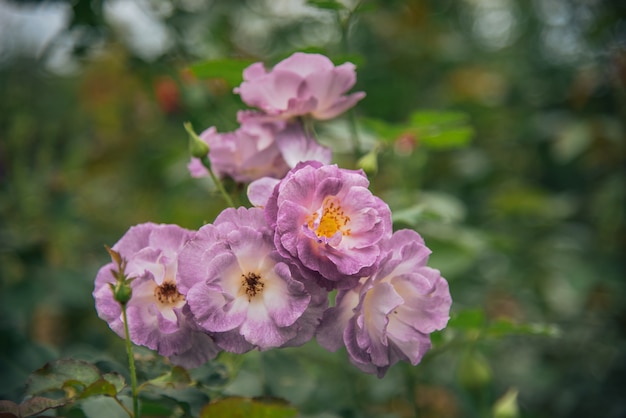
pixel 294 143
pixel 259 148
pixel 157 316
pixel 327 223
pixel 388 317
pixel 300 84
pixel 296 146
pixel 241 291
pixel 249 153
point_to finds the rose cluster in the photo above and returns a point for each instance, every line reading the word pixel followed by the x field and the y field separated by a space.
pixel 260 277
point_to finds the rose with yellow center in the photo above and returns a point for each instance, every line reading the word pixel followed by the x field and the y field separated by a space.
pixel 328 223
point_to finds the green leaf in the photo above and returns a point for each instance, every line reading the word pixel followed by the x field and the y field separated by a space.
pixel 230 70
pixel 474 371
pixel 384 131
pixel 437 206
pixel 237 407
pixel 116 379
pixel 410 216
pixel 61 375
pixel 174 378
pixel 9 407
pixel 441 130
pixel 99 387
pixel 433 129
pixel 326 4
pixel 448 138
pixel 468 320
pixel 102 406
pixel 38 404
pixel 30 407
pixel 506 406
pixel 428 118
pixel 503 327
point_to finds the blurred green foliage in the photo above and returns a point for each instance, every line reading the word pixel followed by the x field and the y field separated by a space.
pixel 496 130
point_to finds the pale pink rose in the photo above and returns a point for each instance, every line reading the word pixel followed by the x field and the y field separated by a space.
pixel 299 85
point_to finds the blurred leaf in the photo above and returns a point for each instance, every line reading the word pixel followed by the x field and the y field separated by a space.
pixel 237 407
pixel 175 377
pixel 531 202
pixel 116 379
pixel 102 406
pixel 190 398
pixel 442 130
pixel 231 70
pixel 446 138
pixel 428 118
pixel 383 130
pixel 369 162
pixel 326 4
pixel 211 374
pixel 99 387
pixel 475 321
pixel 503 327
pixel 474 371
pixel 410 216
pixel 431 206
pixel 9 407
pixel 62 374
pixel 468 320
pixel 433 129
pixel 506 406
pixel 572 140
pixel 30 407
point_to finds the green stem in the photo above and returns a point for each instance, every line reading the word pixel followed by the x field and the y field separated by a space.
pixel 131 365
pixel 206 163
pixel 354 135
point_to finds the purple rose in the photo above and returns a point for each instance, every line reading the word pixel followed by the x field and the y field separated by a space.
pixel 299 85
pixel 294 143
pixel 249 153
pixel 157 312
pixel 259 148
pixel 327 223
pixel 388 317
pixel 240 290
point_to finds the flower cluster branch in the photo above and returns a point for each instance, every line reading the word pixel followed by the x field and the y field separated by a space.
pixel 259 278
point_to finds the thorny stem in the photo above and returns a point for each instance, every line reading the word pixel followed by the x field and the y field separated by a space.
pixel 131 365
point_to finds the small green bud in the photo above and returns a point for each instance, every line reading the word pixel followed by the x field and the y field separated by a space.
pixel 122 292
pixel 197 147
